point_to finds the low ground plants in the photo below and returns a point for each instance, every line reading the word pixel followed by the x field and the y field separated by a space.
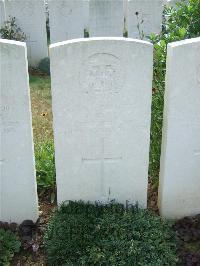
pixel 44 65
pixel 86 234
pixel 181 22
pixel 11 31
pixel 45 165
pixel 9 245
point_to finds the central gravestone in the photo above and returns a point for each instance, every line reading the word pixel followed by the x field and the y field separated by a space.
pixel 102 107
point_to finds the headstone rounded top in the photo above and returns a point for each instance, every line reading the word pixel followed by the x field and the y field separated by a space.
pixel 13 42
pixel 184 42
pixel 100 39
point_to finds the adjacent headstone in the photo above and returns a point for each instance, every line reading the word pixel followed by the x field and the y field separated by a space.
pixel 68 19
pixel 106 18
pixel 165 2
pixel 144 18
pixel 30 17
pixel 101 89
pixel 2 14
pixel 179 193
pixel 18 198
pixel 172 3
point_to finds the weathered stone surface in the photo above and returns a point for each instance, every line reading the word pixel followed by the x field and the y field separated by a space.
pixel 2 14
pixel 18 200
pixel 30 17
pixel 144 17
pixel 106 18
pixel 101 89
pixel 180 160
pixel 68 19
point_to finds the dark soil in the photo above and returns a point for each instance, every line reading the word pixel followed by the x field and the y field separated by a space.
pixel 152 197
pixel 31 235
pixel 37 72
pixel 188 230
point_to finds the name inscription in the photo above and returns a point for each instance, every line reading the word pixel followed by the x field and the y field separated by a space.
pixel 4 108
pixel 6 125
pixel 101 73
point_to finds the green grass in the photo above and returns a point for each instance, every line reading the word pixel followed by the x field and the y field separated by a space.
pixel 41 108
pixel 43 132
pixel 45 165
pixel 41 86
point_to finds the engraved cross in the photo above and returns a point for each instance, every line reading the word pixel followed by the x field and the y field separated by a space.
pixel 102 159
pixel 2 161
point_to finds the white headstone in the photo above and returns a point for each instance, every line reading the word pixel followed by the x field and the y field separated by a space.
pixel 144 18
pixel 2 14
pixel 102 109
pixel 179 191
pixel 18 198
pixel 106 18
pixel 30 17
pixel 173 3
pixel 68 19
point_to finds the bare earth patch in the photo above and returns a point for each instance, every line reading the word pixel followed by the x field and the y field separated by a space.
pixel 28 256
